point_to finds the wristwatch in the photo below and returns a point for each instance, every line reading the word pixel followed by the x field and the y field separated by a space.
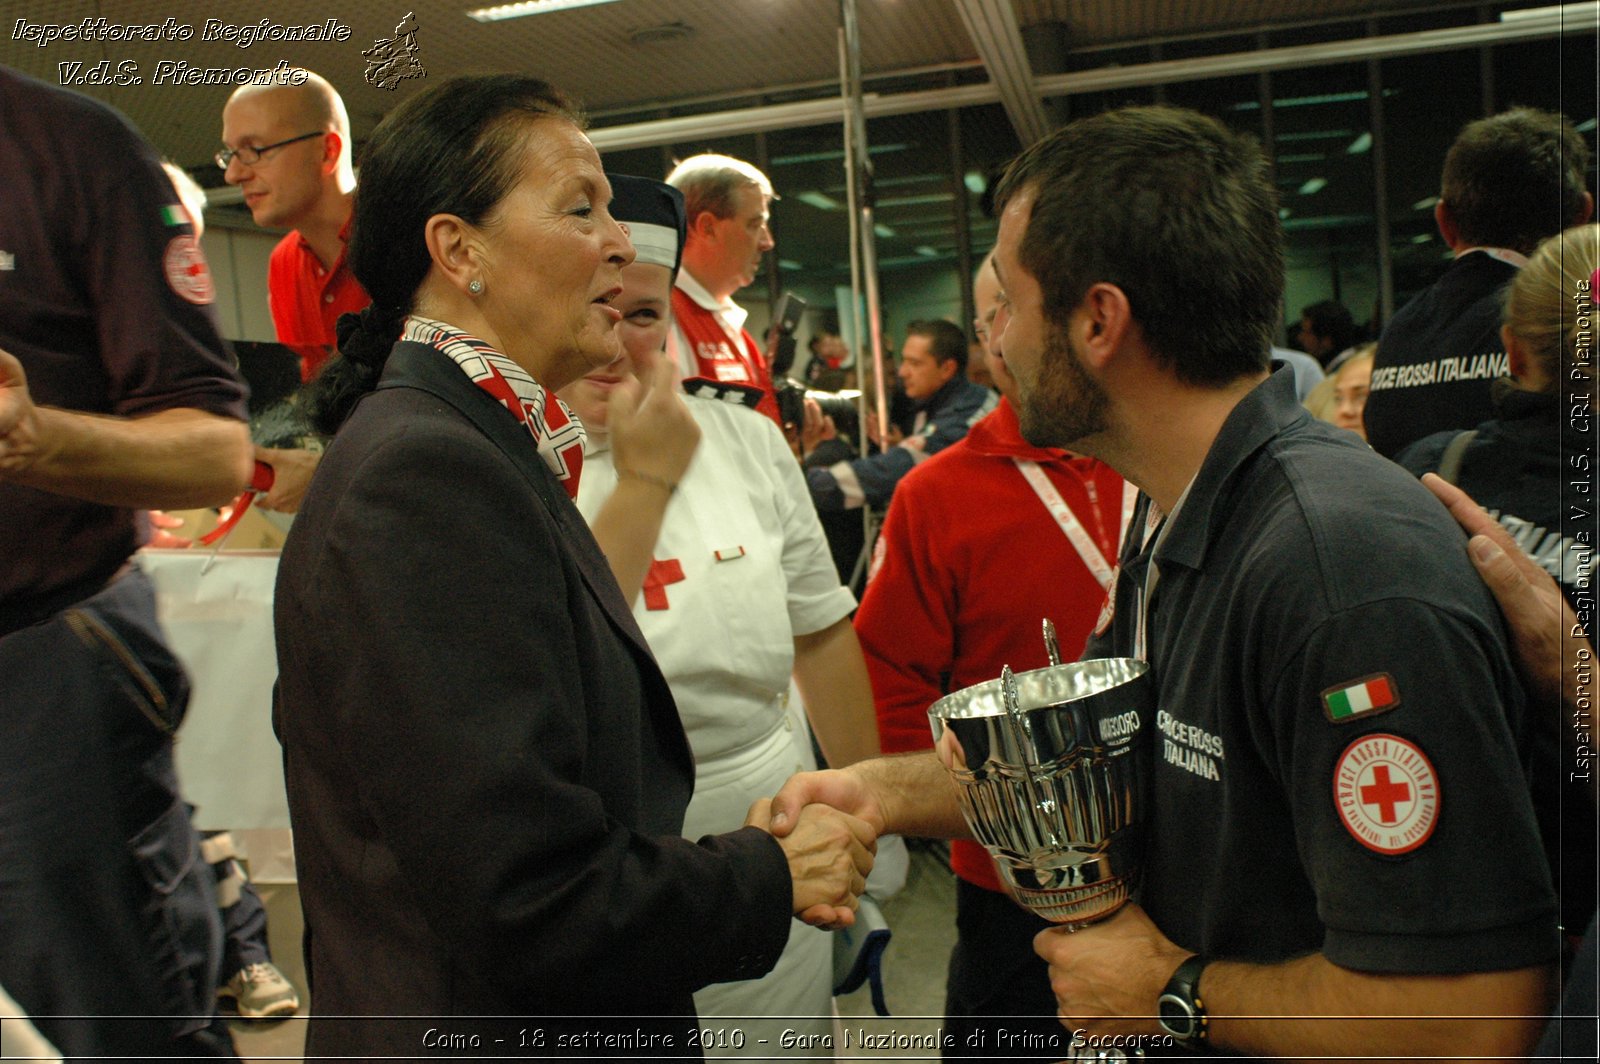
pixel 1180 1009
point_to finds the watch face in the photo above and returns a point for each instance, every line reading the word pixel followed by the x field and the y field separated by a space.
pixel 1176 1016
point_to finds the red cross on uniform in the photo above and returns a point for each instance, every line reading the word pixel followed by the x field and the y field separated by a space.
pixel 1385 794
pixel 656 580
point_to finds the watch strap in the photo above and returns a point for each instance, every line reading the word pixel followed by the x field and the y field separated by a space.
pixel 1185 986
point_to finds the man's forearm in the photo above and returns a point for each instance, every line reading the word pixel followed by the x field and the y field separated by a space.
pixel 172 460
pixel 1310 1007
pixel 916 794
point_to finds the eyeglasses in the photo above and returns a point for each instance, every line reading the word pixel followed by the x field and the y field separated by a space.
pixel 250 156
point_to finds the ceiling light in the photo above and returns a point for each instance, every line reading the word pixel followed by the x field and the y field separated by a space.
pixel 1361 145
pixel 500 12
pixel 1314 134
pixel 925 250
pixel 883 230
pixel 1313 186
pixel 1303 157
pixel 907 201
pixel 975 183
pixel 1304 101
pixel 1427 203
pixel 645 36
pixel 1566 11
pixel 1283 213
pixel 1422 238
pixel 827 156
pixel 1585 127
pixel 820 200
pixel 789 264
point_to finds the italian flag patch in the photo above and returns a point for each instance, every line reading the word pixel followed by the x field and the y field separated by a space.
pixel 172 215
pixel 1374 694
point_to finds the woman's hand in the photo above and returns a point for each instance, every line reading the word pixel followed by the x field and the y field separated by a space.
pixel 830 855
pixel 652 432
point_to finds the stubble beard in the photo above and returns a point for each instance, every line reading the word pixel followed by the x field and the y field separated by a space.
pixel 1065 405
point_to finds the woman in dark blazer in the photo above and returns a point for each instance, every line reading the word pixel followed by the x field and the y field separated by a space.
pixel 486 772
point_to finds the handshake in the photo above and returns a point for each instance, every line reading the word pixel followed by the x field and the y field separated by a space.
pixel 830 852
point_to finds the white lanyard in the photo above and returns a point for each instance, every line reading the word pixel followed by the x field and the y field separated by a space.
pixel 1141 648
pixel 1087 549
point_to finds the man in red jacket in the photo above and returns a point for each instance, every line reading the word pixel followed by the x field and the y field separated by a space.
pixel 726 204
pixel 982 541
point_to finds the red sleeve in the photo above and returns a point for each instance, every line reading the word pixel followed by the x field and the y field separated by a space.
pixel 906 622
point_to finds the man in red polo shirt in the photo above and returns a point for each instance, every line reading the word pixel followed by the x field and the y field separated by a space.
pixel 983 541
pixel 288 149
pixel 726 203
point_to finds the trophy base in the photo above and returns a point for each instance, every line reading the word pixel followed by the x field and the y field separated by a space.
pixel 1073 907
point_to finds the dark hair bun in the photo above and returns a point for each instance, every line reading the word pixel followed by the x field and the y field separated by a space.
pixel 365 340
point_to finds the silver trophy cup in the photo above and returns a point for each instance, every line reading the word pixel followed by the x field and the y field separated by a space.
pixel 1050 782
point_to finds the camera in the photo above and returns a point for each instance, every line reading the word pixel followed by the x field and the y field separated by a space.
pixel 790 393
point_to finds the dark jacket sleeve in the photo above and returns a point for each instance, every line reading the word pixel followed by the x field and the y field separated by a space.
pixel 494 730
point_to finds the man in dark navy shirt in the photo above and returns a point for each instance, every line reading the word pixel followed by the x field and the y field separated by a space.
pixel 117 395
pixel 1509 182
pixel 1341 853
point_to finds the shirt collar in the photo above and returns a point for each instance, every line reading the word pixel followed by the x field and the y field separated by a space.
pixel 998 434
pixel 344 242
pixel 1505 255
pixel 1265 411
pixel 732 313
pixel 942 396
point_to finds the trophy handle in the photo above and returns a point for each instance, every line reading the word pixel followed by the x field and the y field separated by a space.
pixel 1024 729
pixel 1051 647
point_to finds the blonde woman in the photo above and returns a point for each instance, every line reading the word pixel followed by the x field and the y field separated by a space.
pixel 1341 398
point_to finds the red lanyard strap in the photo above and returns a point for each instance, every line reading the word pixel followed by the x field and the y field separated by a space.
pixel 260 480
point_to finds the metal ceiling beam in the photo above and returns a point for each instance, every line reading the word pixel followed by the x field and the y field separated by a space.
pixel 992 25
pixel 876 105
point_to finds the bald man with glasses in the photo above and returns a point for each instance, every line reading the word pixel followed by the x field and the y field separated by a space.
pixel 288 149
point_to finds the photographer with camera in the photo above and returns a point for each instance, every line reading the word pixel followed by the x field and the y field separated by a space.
pixel 933 366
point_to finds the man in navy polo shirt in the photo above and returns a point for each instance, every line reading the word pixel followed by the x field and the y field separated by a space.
pixel 1342 856
pixel 1509 181
pixel 117 396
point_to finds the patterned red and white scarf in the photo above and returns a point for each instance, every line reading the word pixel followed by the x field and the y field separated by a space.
pixel 555 431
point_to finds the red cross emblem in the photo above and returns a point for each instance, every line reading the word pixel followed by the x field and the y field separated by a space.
pixel 186 270
pixel 1386 793
pixel 656 580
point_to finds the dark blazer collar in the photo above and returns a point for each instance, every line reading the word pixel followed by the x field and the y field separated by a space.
pixel 414 365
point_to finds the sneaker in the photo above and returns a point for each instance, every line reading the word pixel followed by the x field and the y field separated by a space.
pixel 260 992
